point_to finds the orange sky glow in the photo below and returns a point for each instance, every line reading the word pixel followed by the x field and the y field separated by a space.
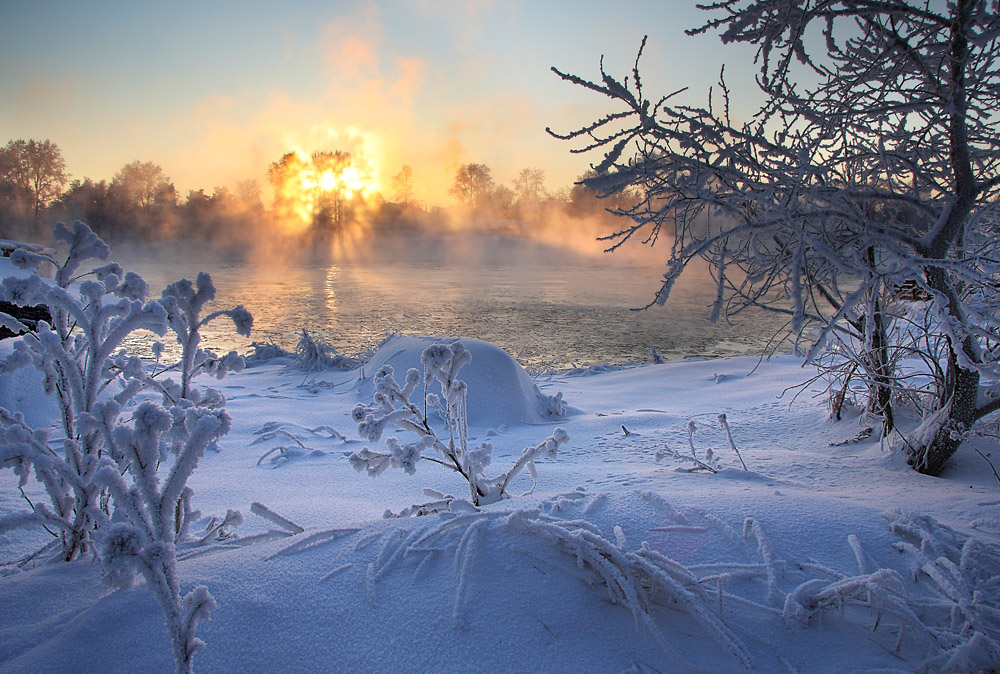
pixel 215 93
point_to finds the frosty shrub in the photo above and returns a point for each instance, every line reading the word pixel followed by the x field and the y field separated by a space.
pixel 151 516
pixel 184 302
pixel 90 320
pixel 640 580
pixel 391 406
pixel 261 352
pixel 106 494
pixel 312 354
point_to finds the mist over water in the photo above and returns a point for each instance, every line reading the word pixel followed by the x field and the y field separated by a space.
pixel 549 307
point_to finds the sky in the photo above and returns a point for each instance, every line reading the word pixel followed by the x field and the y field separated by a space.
pixel 214 92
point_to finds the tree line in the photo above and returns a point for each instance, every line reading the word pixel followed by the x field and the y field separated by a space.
pixel 141 204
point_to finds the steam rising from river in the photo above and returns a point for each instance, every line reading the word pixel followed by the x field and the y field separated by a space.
pixel 552 307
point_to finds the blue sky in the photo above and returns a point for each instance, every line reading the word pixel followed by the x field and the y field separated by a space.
pixel 215 91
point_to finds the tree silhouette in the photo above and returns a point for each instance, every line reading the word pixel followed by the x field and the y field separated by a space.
pixel 529 186
pixel 141 184
pixel 34 171
pixel 473 186
pixel 402 185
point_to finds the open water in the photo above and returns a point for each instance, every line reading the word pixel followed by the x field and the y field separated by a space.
pixel 548 307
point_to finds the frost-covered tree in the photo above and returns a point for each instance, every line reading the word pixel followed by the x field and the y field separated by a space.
pixel 391 406
pixel 872 164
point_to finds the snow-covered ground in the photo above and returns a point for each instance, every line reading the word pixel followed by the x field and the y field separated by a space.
pixel 821 557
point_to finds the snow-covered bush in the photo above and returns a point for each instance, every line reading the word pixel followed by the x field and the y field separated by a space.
pixel 553 407
pixel 312 354
pixel 261 352
pixel 90 320
pixel 101 477
pixel 151 516
pixel 391 406
pixel 639 579
pixel 948 606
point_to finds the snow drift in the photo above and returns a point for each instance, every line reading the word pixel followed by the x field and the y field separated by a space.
pixel 500 391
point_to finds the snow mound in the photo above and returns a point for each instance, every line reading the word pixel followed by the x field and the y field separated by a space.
pixel 500 391
pixel 742 475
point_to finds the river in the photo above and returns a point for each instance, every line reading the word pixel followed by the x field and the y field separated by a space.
pixel 549 307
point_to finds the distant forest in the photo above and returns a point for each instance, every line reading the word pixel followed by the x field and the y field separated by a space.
pixel 314 196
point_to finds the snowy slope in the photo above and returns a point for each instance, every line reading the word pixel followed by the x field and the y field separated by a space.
pixel 773 569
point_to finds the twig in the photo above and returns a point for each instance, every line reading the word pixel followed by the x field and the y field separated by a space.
pixel 987 457
pixel 53 534
pixel 725 424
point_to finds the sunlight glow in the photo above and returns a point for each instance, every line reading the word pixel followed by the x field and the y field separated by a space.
pixel 331 189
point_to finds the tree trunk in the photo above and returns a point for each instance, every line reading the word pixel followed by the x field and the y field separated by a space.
pixel 876 361
pixel 881 376
pixel 957 407
pixel 958 403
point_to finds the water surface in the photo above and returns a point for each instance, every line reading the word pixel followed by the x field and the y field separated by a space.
pixel 550 308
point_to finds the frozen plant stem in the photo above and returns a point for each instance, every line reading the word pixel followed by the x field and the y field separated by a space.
pixel 987 458
pixel 725 425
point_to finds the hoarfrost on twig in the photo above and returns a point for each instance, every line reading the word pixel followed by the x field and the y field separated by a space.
pixel 313 540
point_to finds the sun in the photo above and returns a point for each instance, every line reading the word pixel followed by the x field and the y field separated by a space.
pixel 323 189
